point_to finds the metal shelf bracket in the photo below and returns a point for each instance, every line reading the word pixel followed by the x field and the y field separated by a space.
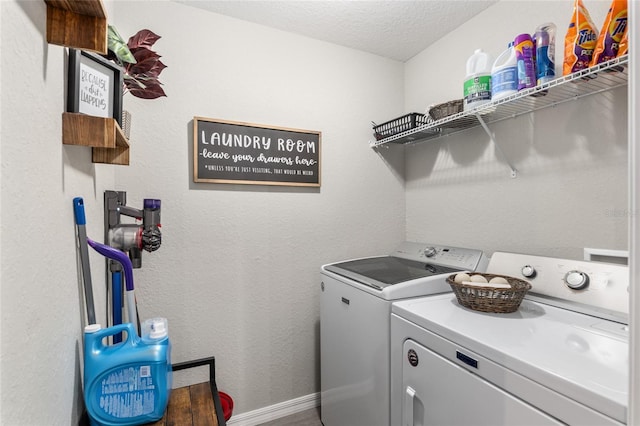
pixel 514 172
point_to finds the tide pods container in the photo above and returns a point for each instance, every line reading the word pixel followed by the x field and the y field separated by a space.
pixel 128 383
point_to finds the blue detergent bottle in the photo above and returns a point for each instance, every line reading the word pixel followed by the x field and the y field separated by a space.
pixel 128 383
pixel 545 52
pixel 504 74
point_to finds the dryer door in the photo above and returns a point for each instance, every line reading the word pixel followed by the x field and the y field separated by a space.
pixel 438 392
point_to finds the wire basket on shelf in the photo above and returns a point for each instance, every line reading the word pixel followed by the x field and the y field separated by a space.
pixel 488 297
pixel 398 125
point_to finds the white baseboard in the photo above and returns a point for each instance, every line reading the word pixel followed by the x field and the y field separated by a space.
pixel 276 411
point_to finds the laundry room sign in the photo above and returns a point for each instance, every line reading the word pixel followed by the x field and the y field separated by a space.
pixel 245 153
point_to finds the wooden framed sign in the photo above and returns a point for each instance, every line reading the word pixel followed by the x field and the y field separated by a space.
pixel 94 86
pixel 245 153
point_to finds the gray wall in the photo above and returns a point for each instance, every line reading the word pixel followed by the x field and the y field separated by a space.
pixel 571 190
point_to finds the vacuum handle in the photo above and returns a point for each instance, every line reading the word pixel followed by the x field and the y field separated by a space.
pixel 117 255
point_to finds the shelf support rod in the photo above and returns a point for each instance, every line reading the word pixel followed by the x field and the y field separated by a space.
pixel 514 172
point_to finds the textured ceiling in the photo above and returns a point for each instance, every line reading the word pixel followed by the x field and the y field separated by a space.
pixel 396 29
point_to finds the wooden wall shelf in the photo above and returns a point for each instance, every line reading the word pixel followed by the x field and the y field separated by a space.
pixel 119 156
pixel 81 24
pixel 104 135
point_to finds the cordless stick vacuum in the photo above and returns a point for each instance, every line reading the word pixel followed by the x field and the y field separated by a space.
pixel 120 257
pixel 130 239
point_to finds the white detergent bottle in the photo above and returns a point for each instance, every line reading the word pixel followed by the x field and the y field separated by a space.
pixel 477 83
pixel 504 74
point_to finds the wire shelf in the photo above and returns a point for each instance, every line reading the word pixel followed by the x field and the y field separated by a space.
pixel 597 79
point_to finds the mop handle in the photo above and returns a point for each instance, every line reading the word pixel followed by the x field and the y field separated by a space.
pixel 78 209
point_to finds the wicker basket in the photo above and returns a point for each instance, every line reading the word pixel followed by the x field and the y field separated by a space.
pixel 489 298
pixel 446 109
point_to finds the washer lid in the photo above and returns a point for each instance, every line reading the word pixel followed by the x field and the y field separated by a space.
pixel 582 357
pixel 383 271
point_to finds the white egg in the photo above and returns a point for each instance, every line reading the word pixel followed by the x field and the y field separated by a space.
pixel 478 279
pixel 498 280
pixel 462 276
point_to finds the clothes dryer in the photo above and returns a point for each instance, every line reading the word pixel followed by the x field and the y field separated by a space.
pixel 561 358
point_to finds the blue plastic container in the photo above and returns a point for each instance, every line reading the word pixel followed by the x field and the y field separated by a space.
pixel 504 74
pixel 545 52
pixel 128 383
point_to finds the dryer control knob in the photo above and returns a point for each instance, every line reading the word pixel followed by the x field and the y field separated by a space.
pixel 528 271
pixel 430 251
pixel 576 280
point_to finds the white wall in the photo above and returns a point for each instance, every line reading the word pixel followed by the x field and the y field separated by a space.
pixel 238 271
pixel 571 190
pixel 41 346
pixel 237 274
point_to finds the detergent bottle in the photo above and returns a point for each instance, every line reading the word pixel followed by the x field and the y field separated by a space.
pixel 477 83
pixel 504 74
pixel 526 66
pixel 545 52
pixel 127 383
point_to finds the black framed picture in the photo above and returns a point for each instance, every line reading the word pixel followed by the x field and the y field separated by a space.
pixel 94 86
pixel 254 154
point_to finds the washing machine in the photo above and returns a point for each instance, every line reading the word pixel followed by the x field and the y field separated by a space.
pixel 355 309
pixel 561 358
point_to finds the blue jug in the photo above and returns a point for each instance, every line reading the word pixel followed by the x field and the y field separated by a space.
pixel 128 383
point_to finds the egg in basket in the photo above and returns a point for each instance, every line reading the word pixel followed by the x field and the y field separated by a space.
pixel 488 292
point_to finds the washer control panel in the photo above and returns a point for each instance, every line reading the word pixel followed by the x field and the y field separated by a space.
pixel 576 280
pixel 603 286
pixel 430 251
pixel 528 271
pixel 454 257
